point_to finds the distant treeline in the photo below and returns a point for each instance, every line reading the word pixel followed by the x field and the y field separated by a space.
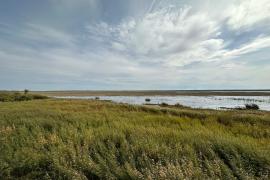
pixel 17 96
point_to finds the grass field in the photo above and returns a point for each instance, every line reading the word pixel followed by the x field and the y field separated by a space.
pixel 19 96
pixel 83 139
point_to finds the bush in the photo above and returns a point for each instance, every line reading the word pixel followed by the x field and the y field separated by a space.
pixel 26 91
pixel 179 105
pixel 164 104
pixel 37 96
pixel 252 106
pixel 22 98
pixel 16 96
pixel 147 100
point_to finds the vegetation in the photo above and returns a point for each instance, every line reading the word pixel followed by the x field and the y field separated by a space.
pixel 88 139
pixel 17 96
pixel 159 93
pixel 252 106
pixel 180 105
pixel 164 104
pixel 147 100
pixel 26 91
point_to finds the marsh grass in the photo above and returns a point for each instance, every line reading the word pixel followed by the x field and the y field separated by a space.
pixel 17 96
pixel 82 139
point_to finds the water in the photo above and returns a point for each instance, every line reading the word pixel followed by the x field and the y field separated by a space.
pixel 205 102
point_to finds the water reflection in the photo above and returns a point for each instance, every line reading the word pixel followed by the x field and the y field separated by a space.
pixel 208 102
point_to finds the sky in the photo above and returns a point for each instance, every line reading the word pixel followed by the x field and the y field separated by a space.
pixel 134 44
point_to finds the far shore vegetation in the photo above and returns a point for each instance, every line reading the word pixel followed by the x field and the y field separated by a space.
pixel 19 96
pixel 158 93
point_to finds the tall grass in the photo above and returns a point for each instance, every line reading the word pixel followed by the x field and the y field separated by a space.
pixel 17 96
pixel 80 139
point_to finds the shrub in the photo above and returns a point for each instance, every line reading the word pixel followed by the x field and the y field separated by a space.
pixel 22 98
pixel 179 105
pixel 147 100
pixel 16 96
pixel 164 104
pixel 252 106
pixel 37 96
pixel 26 91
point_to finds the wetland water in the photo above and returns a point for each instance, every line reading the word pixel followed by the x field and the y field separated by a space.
pixel 205 102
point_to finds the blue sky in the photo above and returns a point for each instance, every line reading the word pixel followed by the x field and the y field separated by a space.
pixel 134 44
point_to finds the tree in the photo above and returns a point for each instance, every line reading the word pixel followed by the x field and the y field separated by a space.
pixel 26 91
pixel 252 106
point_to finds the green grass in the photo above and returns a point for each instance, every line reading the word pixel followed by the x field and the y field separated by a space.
pixel 17 96
pixel 80 139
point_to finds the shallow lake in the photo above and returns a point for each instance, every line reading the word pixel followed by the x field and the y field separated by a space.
pixel 205 102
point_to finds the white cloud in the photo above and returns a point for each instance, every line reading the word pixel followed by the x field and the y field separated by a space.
pixel 177 37
pixel 174 37
pixel 247 13
pixel 255 45
pixel 167 32
pixel 162 34
pixel 166 47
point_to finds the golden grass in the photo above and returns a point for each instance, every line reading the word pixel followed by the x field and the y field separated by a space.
pixel 82 139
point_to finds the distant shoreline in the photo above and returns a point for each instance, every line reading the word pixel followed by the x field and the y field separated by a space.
pixel 157 93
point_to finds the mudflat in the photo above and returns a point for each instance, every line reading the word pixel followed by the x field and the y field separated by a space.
pixel 158 93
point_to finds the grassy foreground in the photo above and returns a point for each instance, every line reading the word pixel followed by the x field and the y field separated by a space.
pixel 80 139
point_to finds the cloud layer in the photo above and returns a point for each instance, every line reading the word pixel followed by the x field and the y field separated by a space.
pixel 167 45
